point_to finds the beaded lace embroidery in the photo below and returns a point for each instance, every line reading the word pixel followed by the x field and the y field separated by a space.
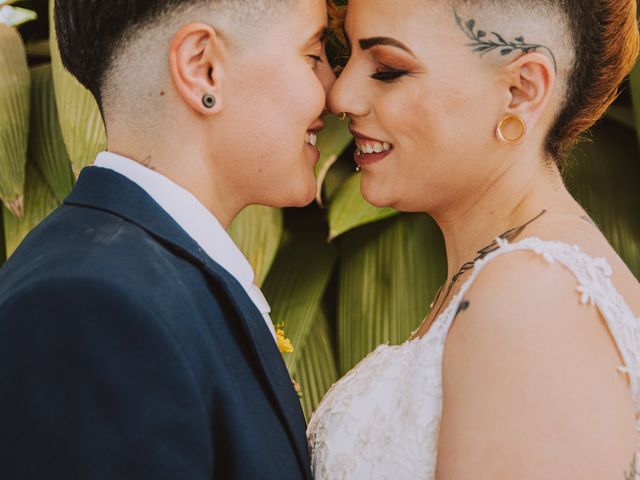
pixel 382 419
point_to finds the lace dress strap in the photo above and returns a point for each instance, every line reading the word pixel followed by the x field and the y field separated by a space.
pixel 594 287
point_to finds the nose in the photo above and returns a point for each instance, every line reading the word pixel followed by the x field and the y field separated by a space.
pixel 326 76
pixel 325 73
pixel 347 95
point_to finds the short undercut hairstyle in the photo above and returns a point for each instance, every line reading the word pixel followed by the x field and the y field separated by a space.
pixel 604 39
pixel 92 33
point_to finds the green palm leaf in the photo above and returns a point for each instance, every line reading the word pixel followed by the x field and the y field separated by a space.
pixel 257 231
pixel 39 202
pixel 315 368
pixel 350 210
pixel 14 118
pixel 634 82
pixel 388 277
pixel 604 180
pixel 332 141
pixel 46 146
pixel 299 277
pixel 80 120
pixel 16 16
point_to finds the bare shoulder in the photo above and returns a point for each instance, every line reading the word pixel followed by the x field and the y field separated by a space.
pixel 530 380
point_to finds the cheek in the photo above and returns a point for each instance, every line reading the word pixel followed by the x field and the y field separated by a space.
pixel 286 99
pixel 441 123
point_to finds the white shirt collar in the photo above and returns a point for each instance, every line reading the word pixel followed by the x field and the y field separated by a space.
pixel 194 218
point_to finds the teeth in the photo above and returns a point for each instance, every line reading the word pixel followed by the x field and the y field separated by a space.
pixel 373 147
pixel 311 138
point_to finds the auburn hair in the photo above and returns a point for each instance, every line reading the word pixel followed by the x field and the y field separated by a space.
pixel 607 42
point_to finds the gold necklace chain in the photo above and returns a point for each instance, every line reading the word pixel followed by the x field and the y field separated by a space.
pixel 509 235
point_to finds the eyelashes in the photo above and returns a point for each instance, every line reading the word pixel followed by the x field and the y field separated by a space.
pixel 389 75
pixel 315 60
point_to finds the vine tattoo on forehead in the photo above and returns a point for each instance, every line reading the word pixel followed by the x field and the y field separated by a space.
pixel 483 42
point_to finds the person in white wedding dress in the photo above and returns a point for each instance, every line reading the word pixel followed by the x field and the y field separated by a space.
pixel 528 365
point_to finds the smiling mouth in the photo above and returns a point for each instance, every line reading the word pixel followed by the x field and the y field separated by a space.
pixel 372 146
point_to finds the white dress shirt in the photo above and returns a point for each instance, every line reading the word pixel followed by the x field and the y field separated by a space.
pixel 194 218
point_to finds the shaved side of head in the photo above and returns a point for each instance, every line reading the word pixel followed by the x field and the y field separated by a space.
pixel 121 54
pixel 593 45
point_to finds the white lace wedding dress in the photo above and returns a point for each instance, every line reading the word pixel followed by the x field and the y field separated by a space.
pixel 381 421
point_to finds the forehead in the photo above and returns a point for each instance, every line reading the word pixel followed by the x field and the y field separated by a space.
pixel 307 14
pixel 397 18
pixel 294 27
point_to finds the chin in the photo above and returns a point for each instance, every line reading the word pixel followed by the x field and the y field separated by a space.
pixel 305 197
pixel 375 194
pixel 299 195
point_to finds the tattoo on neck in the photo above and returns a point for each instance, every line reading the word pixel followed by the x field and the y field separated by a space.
pixel 509 235
pixel 483 42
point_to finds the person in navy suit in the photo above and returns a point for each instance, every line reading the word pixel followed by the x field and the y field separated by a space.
pixel 134 343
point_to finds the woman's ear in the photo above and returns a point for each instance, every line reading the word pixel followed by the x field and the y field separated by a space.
pixel 196 59
pixel 532 80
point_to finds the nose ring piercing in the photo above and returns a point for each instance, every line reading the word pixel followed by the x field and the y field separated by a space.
pixel 208 100
pixel 342 116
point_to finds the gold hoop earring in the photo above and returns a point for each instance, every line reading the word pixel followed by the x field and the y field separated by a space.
pixel 342 116
pixel 508 119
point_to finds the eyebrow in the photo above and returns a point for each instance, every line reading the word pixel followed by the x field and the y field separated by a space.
pixel 368 43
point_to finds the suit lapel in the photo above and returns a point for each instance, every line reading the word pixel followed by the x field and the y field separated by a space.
pixel 109 191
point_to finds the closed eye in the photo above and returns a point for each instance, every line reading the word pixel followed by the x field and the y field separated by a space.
pixel 315 59
pixel 388 75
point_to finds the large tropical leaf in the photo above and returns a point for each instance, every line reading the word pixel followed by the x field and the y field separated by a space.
pixel 315 369
pixel 299 277
pixel 634 82
pixel 39 202
pixel 14 118
pixel 46 146
pixel 332 141
pixel 349 209
pixel 15 16
pixel 604 179
pixel 80 121
pixel 388 276
pixel 257 232
pixel 3 247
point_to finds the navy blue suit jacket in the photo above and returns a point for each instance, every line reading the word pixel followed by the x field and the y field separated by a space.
pixel 127 353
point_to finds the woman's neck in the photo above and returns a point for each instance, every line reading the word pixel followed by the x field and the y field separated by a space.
pixel 513 200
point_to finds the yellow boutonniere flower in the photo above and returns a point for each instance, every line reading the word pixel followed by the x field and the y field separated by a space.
pixel 284 344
